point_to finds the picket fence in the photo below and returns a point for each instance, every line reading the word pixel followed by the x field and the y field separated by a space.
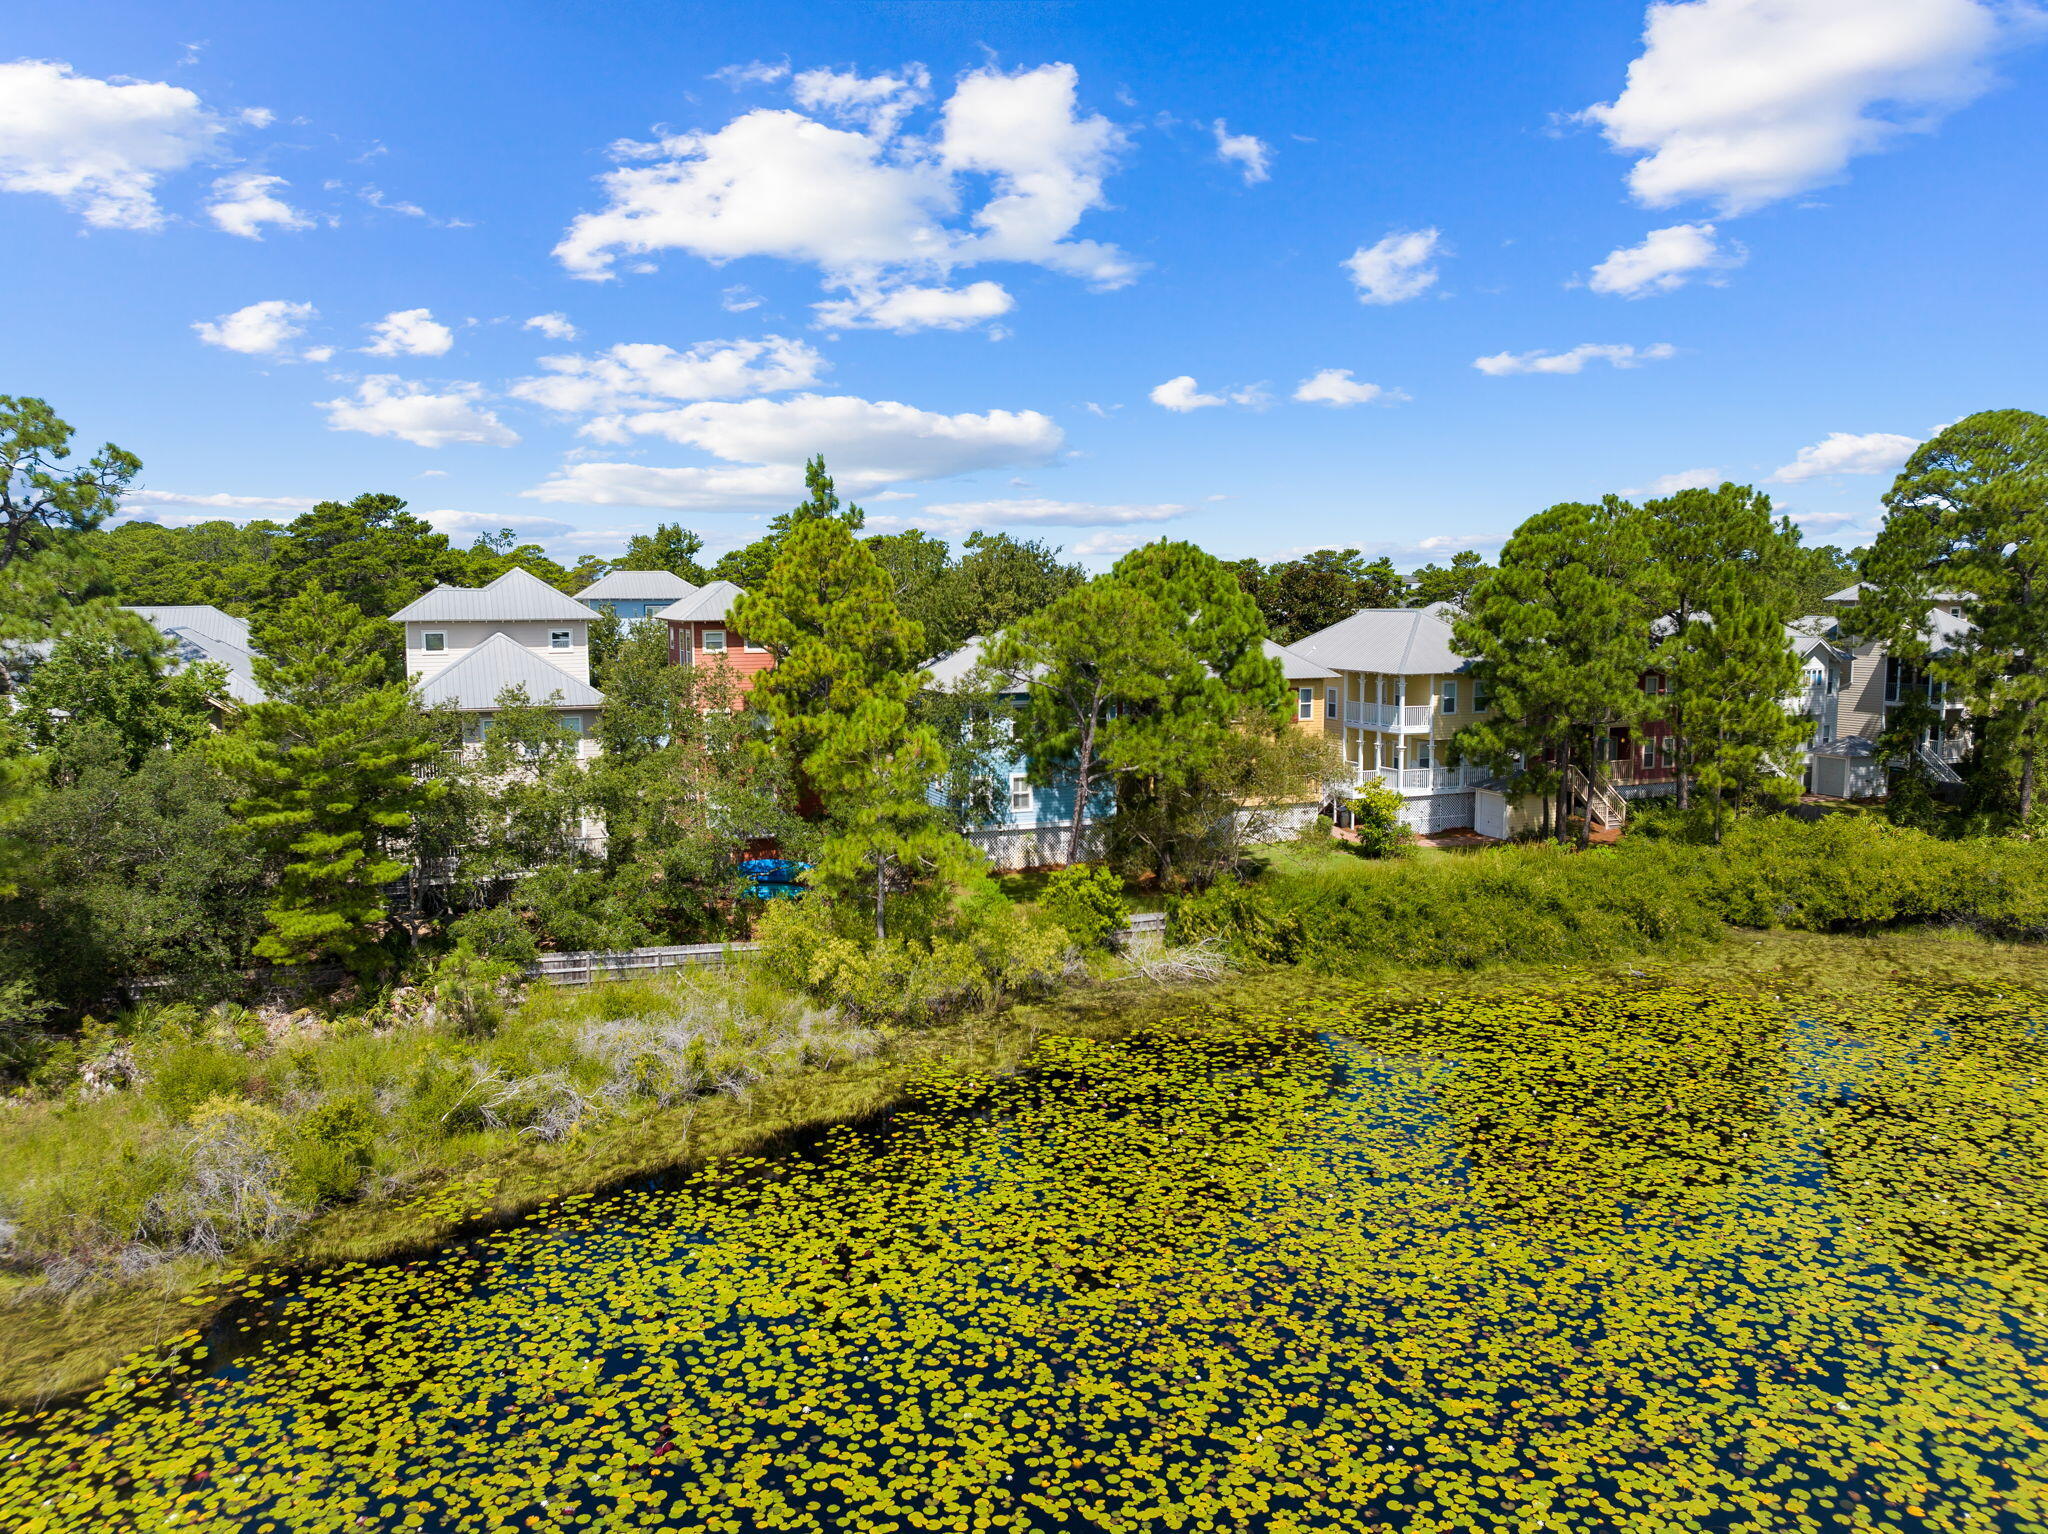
pixel 1146 929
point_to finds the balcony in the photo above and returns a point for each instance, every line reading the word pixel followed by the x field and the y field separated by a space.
pixel 1429 780
pixel 1415 718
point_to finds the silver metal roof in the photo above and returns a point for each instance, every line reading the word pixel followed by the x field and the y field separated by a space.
pixel 189 646
pixel 707 604
pixel 210 621
pixel 516 596
pixel 474 682
pixel 1299 668
pixel 1400 641
pixel 637 586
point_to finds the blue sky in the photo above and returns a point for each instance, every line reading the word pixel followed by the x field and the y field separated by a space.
pixel 1056 268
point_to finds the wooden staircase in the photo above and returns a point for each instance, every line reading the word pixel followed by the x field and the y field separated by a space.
pixel 1600 804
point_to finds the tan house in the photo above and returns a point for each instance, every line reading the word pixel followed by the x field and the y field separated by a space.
pixel 1397 694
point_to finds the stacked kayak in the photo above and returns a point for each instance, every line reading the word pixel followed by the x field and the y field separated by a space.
pixel 773 878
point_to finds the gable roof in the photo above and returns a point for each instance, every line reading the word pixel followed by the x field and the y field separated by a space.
pixel 1400 641
pixel 189 646
pixel 1298 668
pixel 210 621
pixel 514 596
pixel 474 681
pixel 637 586
pixel 707 604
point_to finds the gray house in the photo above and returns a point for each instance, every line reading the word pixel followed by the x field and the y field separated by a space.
pixel 634 594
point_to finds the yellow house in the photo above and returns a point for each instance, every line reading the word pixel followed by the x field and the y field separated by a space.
pixel 1398 694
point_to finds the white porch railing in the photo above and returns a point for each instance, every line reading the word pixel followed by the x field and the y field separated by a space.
pixel 1428 780
pixel 1389 716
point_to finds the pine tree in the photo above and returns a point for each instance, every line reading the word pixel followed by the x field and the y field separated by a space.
pixel 1735 675
pixel 839 704
pixel 1214 670
pixel 1967 522
pixel 1093 659
pixel 1716 557
pixel 330 773
pixel 748 567
pixel 1559 633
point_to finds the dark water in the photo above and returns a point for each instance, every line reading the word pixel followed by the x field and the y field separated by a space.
pixel 1613 1256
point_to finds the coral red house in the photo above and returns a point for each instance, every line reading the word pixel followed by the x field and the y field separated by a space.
pixel 701 634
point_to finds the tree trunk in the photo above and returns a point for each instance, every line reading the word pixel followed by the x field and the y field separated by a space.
pixel 2026 783
pixel 1592 770
pixel 881 880
pixel 1681 754
pixel 1082 780
pixel 1563 829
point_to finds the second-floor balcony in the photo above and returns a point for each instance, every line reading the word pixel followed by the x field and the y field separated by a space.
pixel 1417 717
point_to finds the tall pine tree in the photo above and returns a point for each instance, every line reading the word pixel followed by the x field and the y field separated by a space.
pixel 330 773
pixel 1967 524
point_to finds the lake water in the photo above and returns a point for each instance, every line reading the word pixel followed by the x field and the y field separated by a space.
pixel 1607 1255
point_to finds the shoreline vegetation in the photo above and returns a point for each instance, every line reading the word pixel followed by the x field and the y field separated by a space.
pixel 308 1141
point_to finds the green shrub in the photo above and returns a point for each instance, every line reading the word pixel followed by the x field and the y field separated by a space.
pixel 333 1150
pixel 472 993
pixel 496 931
pixel 1088 900
pixel 181 1074
pixel 1376 816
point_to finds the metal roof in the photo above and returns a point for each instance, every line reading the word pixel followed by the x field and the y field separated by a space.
pixel 707 604
pixel 1399 641
pixel 189 646
pixel 474 682
pixel 210 621
pixel 637 586
pixel 1298 668
pixel 517 595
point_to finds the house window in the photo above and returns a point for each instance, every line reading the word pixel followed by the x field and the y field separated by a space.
pixel 1668 749
pixel 1329 703
pixel 1482 700
pixel 755 646
pixel 1422 754
pixel 1304 703
pixel 477 728
pixel 434 641
pixel 1450 704
pixel 573 723
pixel 1022 800
pixel 558 639
pixel 1894 674
pixel 714 641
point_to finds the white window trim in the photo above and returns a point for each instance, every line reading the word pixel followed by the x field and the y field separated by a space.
pixel 1448 698
pixel 1020 787
pixel 561 639
pixel 427 641
pixel 705 644
pixel 755 648
pixel 1329 703
pixel 1304 703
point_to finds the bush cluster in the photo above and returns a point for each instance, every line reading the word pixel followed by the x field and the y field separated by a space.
pixel 1545 904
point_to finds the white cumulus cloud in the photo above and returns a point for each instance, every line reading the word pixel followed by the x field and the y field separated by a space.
pixel 555 327
pixel 912 307
pixel 1397 267
pixel 686 489
pixel 457 524
pixel 98 146
pixel 1671 484
pixel 409 333
pixel 1013 167
pixel 878 103
pixel 387 406
pixel 263 329
pixel 1745 102
pixel 1253 157
pixel 1181 395
pixel 247 200
pixel 1102 545
pixel 1573 361
pixel 1667 259
pixel 1336 386
pixel 869 443
pixel 646 375
pixel 1842 452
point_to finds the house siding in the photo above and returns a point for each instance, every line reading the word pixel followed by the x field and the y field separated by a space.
pixel 686 648
pixel 422 663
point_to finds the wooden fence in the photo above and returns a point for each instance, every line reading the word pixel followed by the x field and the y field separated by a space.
pixel 1146 929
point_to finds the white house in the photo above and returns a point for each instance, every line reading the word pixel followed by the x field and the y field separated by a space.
pixel 1853 685
pixel 466 645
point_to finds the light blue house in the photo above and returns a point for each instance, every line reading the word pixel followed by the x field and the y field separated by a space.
pixel 635 594
pixel 1032 827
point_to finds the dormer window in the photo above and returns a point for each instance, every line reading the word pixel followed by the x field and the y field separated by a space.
pixel 558 639
pixel 436 641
